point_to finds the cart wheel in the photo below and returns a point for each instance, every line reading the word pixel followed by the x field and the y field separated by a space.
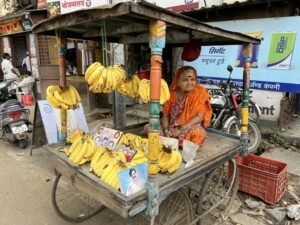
pixel 176 209
pixel 213 190
pixel 72 204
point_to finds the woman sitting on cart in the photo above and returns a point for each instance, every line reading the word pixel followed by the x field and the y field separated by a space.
pixel 188 110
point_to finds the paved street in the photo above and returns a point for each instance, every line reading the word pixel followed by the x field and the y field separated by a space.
pixel 26 183
pixel 25 189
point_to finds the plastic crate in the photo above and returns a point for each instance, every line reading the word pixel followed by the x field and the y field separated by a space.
pixel 262 177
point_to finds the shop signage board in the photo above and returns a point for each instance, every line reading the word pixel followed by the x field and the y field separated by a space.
pixel 66 6
pixel 269 71
pixel 15 25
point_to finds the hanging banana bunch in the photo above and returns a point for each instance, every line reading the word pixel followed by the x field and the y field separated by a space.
pixel 130 87
pixel 144 91
pixel 63 98
pixel 103 79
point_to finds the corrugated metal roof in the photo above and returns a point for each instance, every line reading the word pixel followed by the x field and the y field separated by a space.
pixel 129 22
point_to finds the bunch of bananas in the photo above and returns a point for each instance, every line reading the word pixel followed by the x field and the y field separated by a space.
pixel 144 91
pixel 82 150
pixel 63 97
pixel 106 164
pixel 75 135
pixel 130 87
pixel 104 79
pixel 169 162
pixel 134 141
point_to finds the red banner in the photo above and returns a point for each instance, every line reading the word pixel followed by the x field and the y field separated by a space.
pixel 9 27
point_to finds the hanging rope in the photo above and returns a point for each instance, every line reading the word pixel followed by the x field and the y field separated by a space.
pixel 104 44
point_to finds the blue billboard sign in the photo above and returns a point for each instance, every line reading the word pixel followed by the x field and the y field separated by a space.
pixel 271 69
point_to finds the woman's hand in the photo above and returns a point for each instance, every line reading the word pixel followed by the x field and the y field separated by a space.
pixel 167 133
pixel 176 131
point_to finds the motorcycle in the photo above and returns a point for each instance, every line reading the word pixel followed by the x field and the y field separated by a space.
pixel 226 101
pixel 6 92
pixel 14 122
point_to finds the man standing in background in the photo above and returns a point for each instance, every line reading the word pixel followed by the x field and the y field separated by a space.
pixel 26 63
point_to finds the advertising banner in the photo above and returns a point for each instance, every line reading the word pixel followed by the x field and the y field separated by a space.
pixel 56 7
pixel 281 50
pixel 255 48
pixel 274 63
pixel 15 25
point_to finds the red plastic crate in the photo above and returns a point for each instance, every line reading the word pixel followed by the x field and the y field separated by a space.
pixel 262 177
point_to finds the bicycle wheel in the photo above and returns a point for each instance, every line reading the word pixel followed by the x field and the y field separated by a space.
pixel 70 203
pixel 176 209
pixel 254 134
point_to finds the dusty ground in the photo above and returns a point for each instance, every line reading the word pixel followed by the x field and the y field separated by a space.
pixel 26 184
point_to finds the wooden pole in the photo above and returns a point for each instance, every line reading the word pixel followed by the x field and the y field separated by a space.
pixel 247 54
pixel 157 43
pixel 62 48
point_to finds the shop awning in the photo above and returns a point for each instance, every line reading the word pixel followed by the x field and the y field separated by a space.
pixel 128 22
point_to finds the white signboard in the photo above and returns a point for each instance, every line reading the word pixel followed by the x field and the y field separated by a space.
pixel 268 102
pixel 51 121
pixel 58 7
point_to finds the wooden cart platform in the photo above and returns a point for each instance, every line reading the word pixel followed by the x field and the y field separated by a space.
pixel 217 150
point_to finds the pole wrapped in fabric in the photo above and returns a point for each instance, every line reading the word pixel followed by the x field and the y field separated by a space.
pixel 62 48
pixel 247 54
pixel 157 43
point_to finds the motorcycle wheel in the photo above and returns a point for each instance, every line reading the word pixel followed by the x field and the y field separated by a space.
pixel 253 134
pixel 22 143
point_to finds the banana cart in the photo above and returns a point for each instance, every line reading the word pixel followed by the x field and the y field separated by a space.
pixel 167 199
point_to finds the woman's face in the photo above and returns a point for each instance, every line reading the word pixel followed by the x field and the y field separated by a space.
pixel 187 81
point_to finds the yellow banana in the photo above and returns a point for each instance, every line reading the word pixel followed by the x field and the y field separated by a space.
pixel 75 151
pixel 91 69
pixel 81 153
pixel 173 161
pixel 108 170
pixel 177 163
pixel 95 74
pixel 73 89
pixel 58 96
pixel 66 95
pixel 50 98
pixel 152 169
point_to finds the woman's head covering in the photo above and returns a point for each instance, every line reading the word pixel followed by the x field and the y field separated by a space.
pixel 178 72
pixel 197 101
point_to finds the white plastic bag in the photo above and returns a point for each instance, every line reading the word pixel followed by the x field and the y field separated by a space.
pixel 189 152
pixel 294 211
pixel 172 143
